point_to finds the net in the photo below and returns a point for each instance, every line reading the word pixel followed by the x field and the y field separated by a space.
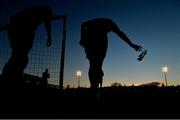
pixel 41 57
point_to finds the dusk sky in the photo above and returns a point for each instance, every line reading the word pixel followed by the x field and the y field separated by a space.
pixel 153 24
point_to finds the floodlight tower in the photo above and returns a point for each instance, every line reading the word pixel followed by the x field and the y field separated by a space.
pixel 165 70
pixel 78 75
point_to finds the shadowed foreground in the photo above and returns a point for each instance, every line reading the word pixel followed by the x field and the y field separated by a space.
pixel 121 102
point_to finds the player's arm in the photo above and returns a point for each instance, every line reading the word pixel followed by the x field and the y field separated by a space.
pixel 83 34
pixel 48 31
pixel 48 26
pixel 124 37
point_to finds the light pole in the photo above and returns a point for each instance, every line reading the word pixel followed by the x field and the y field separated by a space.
pixel 78 74
pixel 165 70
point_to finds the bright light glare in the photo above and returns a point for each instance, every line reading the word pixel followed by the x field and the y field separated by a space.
pixel 78 73
pixel 165 69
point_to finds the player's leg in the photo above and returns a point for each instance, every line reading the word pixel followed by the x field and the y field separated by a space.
pixel 95 71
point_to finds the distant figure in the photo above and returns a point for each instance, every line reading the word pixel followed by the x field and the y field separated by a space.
pixel 94 39
pixel 21 33
pixel 45 77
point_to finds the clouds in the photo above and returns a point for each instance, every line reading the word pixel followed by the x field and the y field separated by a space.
pixel 156 84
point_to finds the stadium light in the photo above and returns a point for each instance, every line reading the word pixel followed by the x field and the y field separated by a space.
pixel 78 74
pixel 165 70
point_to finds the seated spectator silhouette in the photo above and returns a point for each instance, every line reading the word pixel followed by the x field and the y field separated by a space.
pixel 21 33
pixel 94 39
pixel 45 77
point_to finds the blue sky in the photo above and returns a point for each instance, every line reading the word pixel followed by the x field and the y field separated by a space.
pixel 154 24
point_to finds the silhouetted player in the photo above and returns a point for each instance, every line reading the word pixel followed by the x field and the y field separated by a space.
pixel 21 33
pixel 45 77
pixel 94 39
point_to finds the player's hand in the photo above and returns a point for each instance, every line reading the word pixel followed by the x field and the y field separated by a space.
pixel 48 42
pixel 137 47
